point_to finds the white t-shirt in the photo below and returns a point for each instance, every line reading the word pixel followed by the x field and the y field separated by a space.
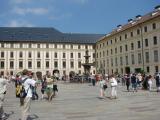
pixel 27 87
pixel 113 82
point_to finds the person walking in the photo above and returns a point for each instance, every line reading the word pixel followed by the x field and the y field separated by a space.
pixel 114 84
pixel 158 82
pixel 3 90
pixel 127 79
pixel 27 86
pixel 150 82
pixel 134 82
pixel 102 85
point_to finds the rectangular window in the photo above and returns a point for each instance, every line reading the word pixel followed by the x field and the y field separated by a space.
pixel 11 64
pixel 120 49
pixel 30 64
pixel 146 42
pixel 107 62
pixel 55 55
pixel 2 65
pixel 126 47
pixel 64 46
pixel 71 55
pixel 148 69
pixel 145 29
pixel 55 45
pixel 47 45
pixel 138 31
pixel 79 64
pixel 126 60
pixel 38 64
pixel 64 64
pixel 20 54
pixel 2 45
pixel 156 69
pixel 112 62
pixel 79 55
pixel 21 45
pixel 71 46
pixel 47 64
pixel 125 36
pixel 12 45
pixel 121 60
pixel 139 58
pixel 20 64
pixel 29 54
pixel 30 45
pixel 120 38
pixel 139 44
pixel 111 51
pixel 38 45
pixel 72 64
pixel 2 54
pixel 131 34
pixel 115 50
pixel 116 62
pixel 154 26
pixel 86 46
pixel 132 46
pixel 147 57
pixel 47 55
pixel 56 64
pixel 11 54
pixel 93 55
pixel 155 55
pixel 79 46
pixel 64 55
pixel 155 40
pixel 38 55
pixel 132 59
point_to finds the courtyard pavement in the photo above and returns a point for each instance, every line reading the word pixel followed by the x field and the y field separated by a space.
pixel 82 102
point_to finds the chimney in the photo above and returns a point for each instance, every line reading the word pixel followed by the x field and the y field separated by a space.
pixel 119 27
pixel 157 7
pixel 130 20
pixel 138 17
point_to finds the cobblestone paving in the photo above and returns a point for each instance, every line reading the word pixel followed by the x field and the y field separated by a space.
pixel 82 102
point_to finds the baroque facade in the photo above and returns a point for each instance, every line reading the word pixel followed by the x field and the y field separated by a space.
pixel 44 49
pixel 133 47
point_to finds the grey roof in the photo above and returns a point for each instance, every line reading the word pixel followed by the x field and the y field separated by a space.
pixel 47 35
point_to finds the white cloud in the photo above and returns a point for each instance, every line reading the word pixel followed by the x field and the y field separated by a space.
pixel 16 23
pixel 36 11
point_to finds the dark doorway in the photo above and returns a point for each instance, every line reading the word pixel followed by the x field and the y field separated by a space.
pixel 138 70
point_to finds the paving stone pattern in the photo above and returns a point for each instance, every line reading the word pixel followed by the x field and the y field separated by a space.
pixel 82 102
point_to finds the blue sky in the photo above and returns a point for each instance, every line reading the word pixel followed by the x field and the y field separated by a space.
pixel 77 16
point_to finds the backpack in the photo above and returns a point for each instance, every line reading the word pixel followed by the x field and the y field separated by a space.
pixel 20 91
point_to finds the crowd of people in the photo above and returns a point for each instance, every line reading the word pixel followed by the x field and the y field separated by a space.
pixel 133 82
pixel 26 84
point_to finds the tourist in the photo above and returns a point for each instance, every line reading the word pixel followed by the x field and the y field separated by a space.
pixel 127 79
pixel 150 82
pixel 43 87
pixel 27 100
pixel 114 84
pixel 102 84
pixel 49 89
pixel 55 81
pixel 158 82
pixel 92 76
pixel 134 82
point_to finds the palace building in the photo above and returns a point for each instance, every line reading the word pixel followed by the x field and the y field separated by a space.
pixel 133 47
pixel 44 49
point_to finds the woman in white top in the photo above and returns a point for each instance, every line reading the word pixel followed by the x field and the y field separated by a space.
pixel 150 82
pixel 114 84
pixel 102 82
